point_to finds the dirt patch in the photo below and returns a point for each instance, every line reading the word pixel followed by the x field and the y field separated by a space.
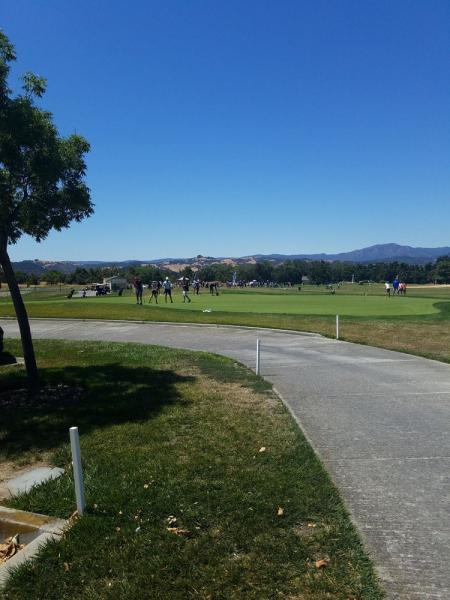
pixel 56 396
pixel 236 394
pixel 306 530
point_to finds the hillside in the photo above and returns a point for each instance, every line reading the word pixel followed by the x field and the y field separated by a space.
pixel 372 254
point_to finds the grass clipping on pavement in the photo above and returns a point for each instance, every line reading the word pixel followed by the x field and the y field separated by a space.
pixel 198 483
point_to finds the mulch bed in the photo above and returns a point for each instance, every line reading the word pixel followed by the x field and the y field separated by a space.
pixel 49 396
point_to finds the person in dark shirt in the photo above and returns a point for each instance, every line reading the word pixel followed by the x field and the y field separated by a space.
pixel 138 288
pixel 155 291
pixel 186 290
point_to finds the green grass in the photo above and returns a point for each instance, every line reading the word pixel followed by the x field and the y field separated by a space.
pixel 354 301
pixel 167 432
pixel 418 323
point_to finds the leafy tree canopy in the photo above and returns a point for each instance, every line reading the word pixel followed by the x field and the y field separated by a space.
pixel 41 180
pixel 41 173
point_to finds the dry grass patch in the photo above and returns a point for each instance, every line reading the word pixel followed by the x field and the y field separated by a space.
pixel 424 338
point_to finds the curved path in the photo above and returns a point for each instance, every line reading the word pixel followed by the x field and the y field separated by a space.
pixel 379 420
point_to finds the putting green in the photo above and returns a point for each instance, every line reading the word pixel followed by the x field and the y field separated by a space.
pixel 307 304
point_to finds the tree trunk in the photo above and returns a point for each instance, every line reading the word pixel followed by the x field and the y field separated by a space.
pixel 22 318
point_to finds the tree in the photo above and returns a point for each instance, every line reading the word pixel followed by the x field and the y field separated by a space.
pixel 320 272
pixel 187 272
pixel 81 276
pixel 41 180
pixel 54 277
pixel 442 270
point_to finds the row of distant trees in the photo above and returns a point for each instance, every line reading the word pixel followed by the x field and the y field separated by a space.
pixel 83 276
pixel 318 272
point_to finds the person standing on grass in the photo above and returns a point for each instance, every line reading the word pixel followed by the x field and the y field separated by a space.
pixel 167 286
pixel 395 285
pixel 196 286
pixel 387 287
pixel 138 288
pixel 155 292
pixel 186 290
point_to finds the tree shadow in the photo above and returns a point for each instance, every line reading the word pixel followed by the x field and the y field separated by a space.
pixel 6 358
pixel 105 395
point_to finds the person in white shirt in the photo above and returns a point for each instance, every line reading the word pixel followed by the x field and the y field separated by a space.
pixel 387 287
pixel 167 285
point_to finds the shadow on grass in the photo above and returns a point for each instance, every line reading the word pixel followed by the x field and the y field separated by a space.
pixel 112 394
pixel 6 358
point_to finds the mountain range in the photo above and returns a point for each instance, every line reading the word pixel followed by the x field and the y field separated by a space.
pixel 378 253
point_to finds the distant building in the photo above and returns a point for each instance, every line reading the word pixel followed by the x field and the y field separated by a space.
pixel 115 283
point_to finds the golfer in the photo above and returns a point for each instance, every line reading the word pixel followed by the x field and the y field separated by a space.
pixel 138 288
pixel 167 286
pixel 186 290
pixel 155 292
pixel 395 285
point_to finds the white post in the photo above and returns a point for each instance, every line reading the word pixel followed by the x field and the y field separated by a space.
pixel 77 469
pixel 257 356
pixel 337 327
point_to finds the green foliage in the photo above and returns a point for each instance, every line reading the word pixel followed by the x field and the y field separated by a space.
pixel 41 174
pixel 83 276
pixel 187 272
pixel 320 272
pixel 147 274
pixel 54 277
pixel 34 85
pixel 216 272
pixel 290 271
pixel 41 181
pixel 32 279
pixel 442 270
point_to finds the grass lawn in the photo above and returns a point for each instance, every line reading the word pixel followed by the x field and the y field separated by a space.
pixel 418 323
pixel 173 439
pixel 354 301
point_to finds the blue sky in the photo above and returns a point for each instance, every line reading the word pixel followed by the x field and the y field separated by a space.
pixel 237 127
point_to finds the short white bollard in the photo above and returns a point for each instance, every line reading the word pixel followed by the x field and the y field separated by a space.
pixel 337 327
pixel 77 469
pixel 257 356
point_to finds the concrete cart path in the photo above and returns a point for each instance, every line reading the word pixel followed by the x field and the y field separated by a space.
pixel 378 419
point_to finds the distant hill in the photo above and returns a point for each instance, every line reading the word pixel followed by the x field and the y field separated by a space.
pixel 39 267
pixel 378 253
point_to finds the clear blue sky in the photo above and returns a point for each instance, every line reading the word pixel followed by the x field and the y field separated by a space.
pixel 236 127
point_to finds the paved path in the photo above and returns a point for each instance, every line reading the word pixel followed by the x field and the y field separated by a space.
pixel 379 420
